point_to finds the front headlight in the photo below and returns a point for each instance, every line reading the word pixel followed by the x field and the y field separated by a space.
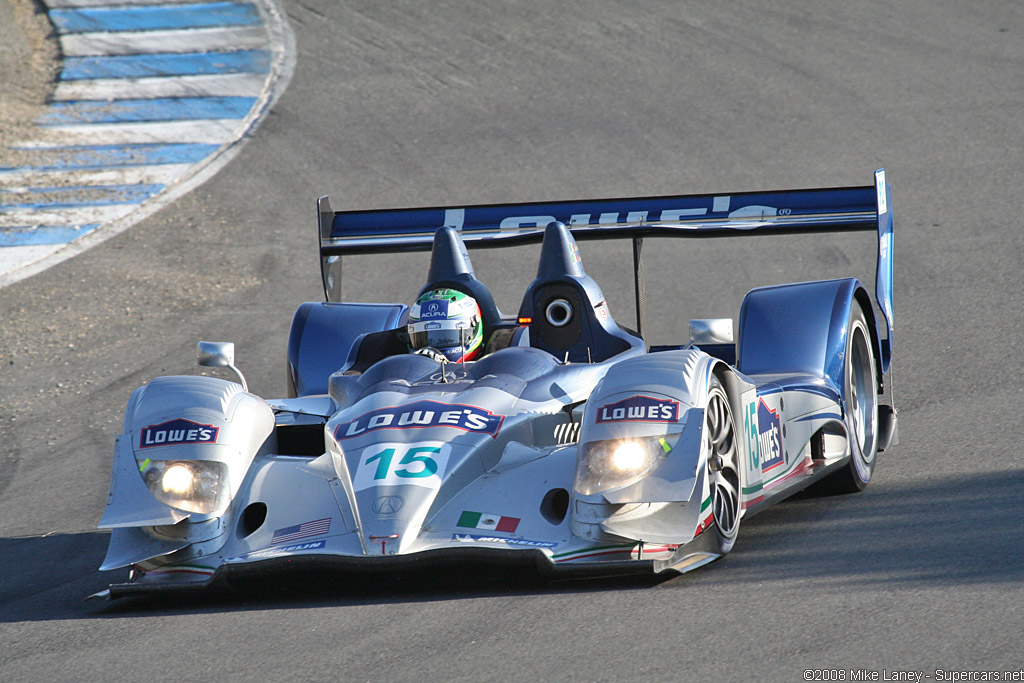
pixel 199 486
pixel 614 463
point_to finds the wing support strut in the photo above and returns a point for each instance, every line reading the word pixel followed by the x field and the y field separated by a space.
pixel 638 283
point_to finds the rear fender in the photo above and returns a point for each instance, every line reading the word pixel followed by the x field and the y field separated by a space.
pixel 800 329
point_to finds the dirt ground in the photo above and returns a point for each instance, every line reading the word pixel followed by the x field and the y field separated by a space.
pixel 29 64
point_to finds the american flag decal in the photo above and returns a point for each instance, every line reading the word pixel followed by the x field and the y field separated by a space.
pixel 288 534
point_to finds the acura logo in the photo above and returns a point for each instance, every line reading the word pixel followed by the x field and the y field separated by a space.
pixel 432 308
pixel 387 504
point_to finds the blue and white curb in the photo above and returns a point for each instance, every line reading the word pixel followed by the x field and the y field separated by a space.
pixel 154 97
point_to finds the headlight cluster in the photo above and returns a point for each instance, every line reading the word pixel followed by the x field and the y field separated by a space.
pixel 613 463
pixel 199 486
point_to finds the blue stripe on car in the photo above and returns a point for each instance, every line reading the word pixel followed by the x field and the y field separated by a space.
pixel 820 416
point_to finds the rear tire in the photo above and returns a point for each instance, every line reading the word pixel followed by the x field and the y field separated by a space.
pixel 860 409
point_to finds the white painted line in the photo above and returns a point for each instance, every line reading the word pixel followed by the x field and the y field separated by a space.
pixel 210 85
pixel 172 41
pixel 206 131
pixel 88 215
pixel 21 257
pixel 22 179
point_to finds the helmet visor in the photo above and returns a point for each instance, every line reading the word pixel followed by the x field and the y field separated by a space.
pixel 440 337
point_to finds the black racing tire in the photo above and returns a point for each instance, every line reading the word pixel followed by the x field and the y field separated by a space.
pixel 722 465
pixel 860 409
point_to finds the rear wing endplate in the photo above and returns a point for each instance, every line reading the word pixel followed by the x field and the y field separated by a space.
pixel 867 208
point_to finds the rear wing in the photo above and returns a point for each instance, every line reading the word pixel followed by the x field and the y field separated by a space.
pixel 867 208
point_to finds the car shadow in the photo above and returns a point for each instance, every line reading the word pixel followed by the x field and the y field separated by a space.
pixel 938 531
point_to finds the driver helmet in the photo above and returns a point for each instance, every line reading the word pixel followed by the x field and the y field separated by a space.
pixel 449 321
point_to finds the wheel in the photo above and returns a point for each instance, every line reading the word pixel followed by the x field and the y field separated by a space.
pixel 723 469
pixel 861 409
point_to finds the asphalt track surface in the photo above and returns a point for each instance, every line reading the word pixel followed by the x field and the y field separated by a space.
pixel 409 104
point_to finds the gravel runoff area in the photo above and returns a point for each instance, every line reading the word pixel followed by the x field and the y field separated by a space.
pixel 29 63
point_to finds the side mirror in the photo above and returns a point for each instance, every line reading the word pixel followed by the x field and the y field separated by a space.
pixel 711 331
pixel 219 355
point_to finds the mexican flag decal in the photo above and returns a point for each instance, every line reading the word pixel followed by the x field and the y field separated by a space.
pixel 484 520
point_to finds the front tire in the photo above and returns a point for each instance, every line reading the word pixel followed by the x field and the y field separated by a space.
pixel 722 465
pixel 860 408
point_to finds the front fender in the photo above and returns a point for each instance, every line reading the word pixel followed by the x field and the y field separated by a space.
pixel 648 397
pixel 186 418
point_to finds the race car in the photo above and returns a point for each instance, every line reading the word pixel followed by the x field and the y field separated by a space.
pixel 448 431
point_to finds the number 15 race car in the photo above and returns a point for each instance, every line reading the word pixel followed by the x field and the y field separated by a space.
pixel 449 432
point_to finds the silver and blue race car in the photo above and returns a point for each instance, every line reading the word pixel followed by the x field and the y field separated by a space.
pixel 570 444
